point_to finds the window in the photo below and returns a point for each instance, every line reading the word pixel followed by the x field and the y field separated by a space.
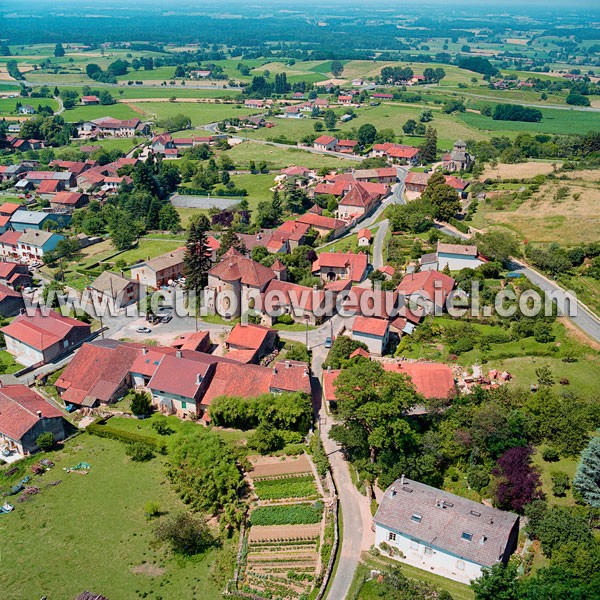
pixel 416 518
pixel 466 536
pixel 460 565
pixel 184 405
pixel 391 537
pixel 428 551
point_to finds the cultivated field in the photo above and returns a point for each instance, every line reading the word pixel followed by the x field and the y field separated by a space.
pixel 525 170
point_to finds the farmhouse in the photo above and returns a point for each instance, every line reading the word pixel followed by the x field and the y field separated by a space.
pixel 11 301
pixel 396 153
pixel 9 244
pixel 14 275
pixel 40 339
pixel 416 182
pixel 28 220
pixel 364 237
pixel 249 343
pixel 346 146
pixel 443 533
pixel 25 415
pixel 430 289
pixel 325 143
pixel 33 245
pixel 330 266
pixel 432 380
pixel 453 256
pixel 122 291
pixel 68 201
pixel 323 225
pixel 373 332
pixel 90 100
pixel 160 270
pixel 360 201
pixel 387 175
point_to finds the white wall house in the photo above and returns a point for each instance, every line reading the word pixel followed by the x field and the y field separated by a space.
pixel 443 533
pixel 373 332
pixel 455 256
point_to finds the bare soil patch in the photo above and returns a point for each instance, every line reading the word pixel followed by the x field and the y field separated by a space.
pixel 271 466
pixel 264 533
pixel 149 570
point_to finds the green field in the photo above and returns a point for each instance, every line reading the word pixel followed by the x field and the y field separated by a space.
pixel 158 74
pixel 200 113
pixel 553 121
pixel 90 533
pixel 87 113
pixel 8 105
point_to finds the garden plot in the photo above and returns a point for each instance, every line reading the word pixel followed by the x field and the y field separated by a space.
pixel 282 544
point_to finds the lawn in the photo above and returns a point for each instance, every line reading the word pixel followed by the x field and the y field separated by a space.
pixel 8 105
pixel 87 113
pixel 159 74
pixel 137 91
pixel 102 511
pixel 8 363
pixel 564 465
pixel 368 590
pixel 257 186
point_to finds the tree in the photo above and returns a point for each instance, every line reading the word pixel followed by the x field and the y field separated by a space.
pixel 229 240
pixel 122 228
pixel 497 246
pixel 443 197
pixel 366 135
pixel 196 259
pixel 141 404
pixel 409 127
pixel 186 533
pixel 544 376
pixel 340 351
pixel 498 583
pixel 59 50
pixel 337 68
pixel 372 405
pixel 45 441
pixel 429 147
pixel 587 476
pixel 318 126
pixel 169 218
pixel 330 119
pixel 426 115
pixel 518 482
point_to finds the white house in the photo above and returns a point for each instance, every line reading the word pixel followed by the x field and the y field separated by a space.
pixel 325 143
pixel 455 256
pixel 373 332
pixel 364 237
pixel 443 533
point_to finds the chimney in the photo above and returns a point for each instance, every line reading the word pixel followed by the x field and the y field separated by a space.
pixel 39 414
pixel 144 350
pixel 402 479
pixel 198 378
pixel 329 368
pixel 274 370
pixel 315 288
pixel 287 364
pixel 178 353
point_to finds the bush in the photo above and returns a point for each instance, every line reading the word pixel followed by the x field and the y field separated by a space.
pixel 285 320
pixel 139 452
pixel 550 454
pixel 560 483
pixel 151 509
pixel 462 345
pixel 185 533
pixel 478 477
pixel 161 426
pixel 121 435
pixel 45 441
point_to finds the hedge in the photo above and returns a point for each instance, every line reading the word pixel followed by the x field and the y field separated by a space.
pixel 127 437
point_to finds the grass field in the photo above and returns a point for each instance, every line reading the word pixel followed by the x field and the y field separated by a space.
pixel 564 465
pixel 8 105
pixel 86 113
pixel 553 121
pixel 102 511
pixel 200 113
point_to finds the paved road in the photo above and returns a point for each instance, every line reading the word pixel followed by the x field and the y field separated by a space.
pixel 580 315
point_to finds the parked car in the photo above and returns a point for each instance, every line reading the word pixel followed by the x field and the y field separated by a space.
pixel 166 318
pixel 144 330
pixel 328 342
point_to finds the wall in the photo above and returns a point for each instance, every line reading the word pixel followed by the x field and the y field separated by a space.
pixel 428 558
pixel 456 262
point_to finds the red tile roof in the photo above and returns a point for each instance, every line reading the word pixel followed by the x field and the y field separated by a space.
pixel 147 360
pixel 10 238
pixel 370 326
pixel 355 263
pixel 456 182
pixel 41 332
pixel 432 380
pixel 234 266
pixel 325 140
pixel 291 376
pixel 284 293
pixel 9 208
pixel 329 378
pixel 360 352
pixel 48 186
pixel 233 379
pixel 7 268
pixel 417 178
pixel 388 270
pixel 365 233
pixel 67 198
pixel 293 230
pixel 430 284
pixel 357 196
pixel 96 372
pixel 192 341
pixel 180 376
pixel 371 303
pixel 19 406
pixel 321 222
pixel 337 188
pixel 250 337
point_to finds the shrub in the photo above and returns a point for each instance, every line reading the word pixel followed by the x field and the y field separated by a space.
pixel 141 405
pixel 161 426
pixel 550 454
pixel 560 483
pixel 120 435
pixel 139 452
pixel 462 345
pixel 45 441
pixel 478 477
pixel 285 320
pixel 185 533
pixel 151 509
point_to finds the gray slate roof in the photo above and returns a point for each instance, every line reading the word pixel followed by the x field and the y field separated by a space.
pixel 444 519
